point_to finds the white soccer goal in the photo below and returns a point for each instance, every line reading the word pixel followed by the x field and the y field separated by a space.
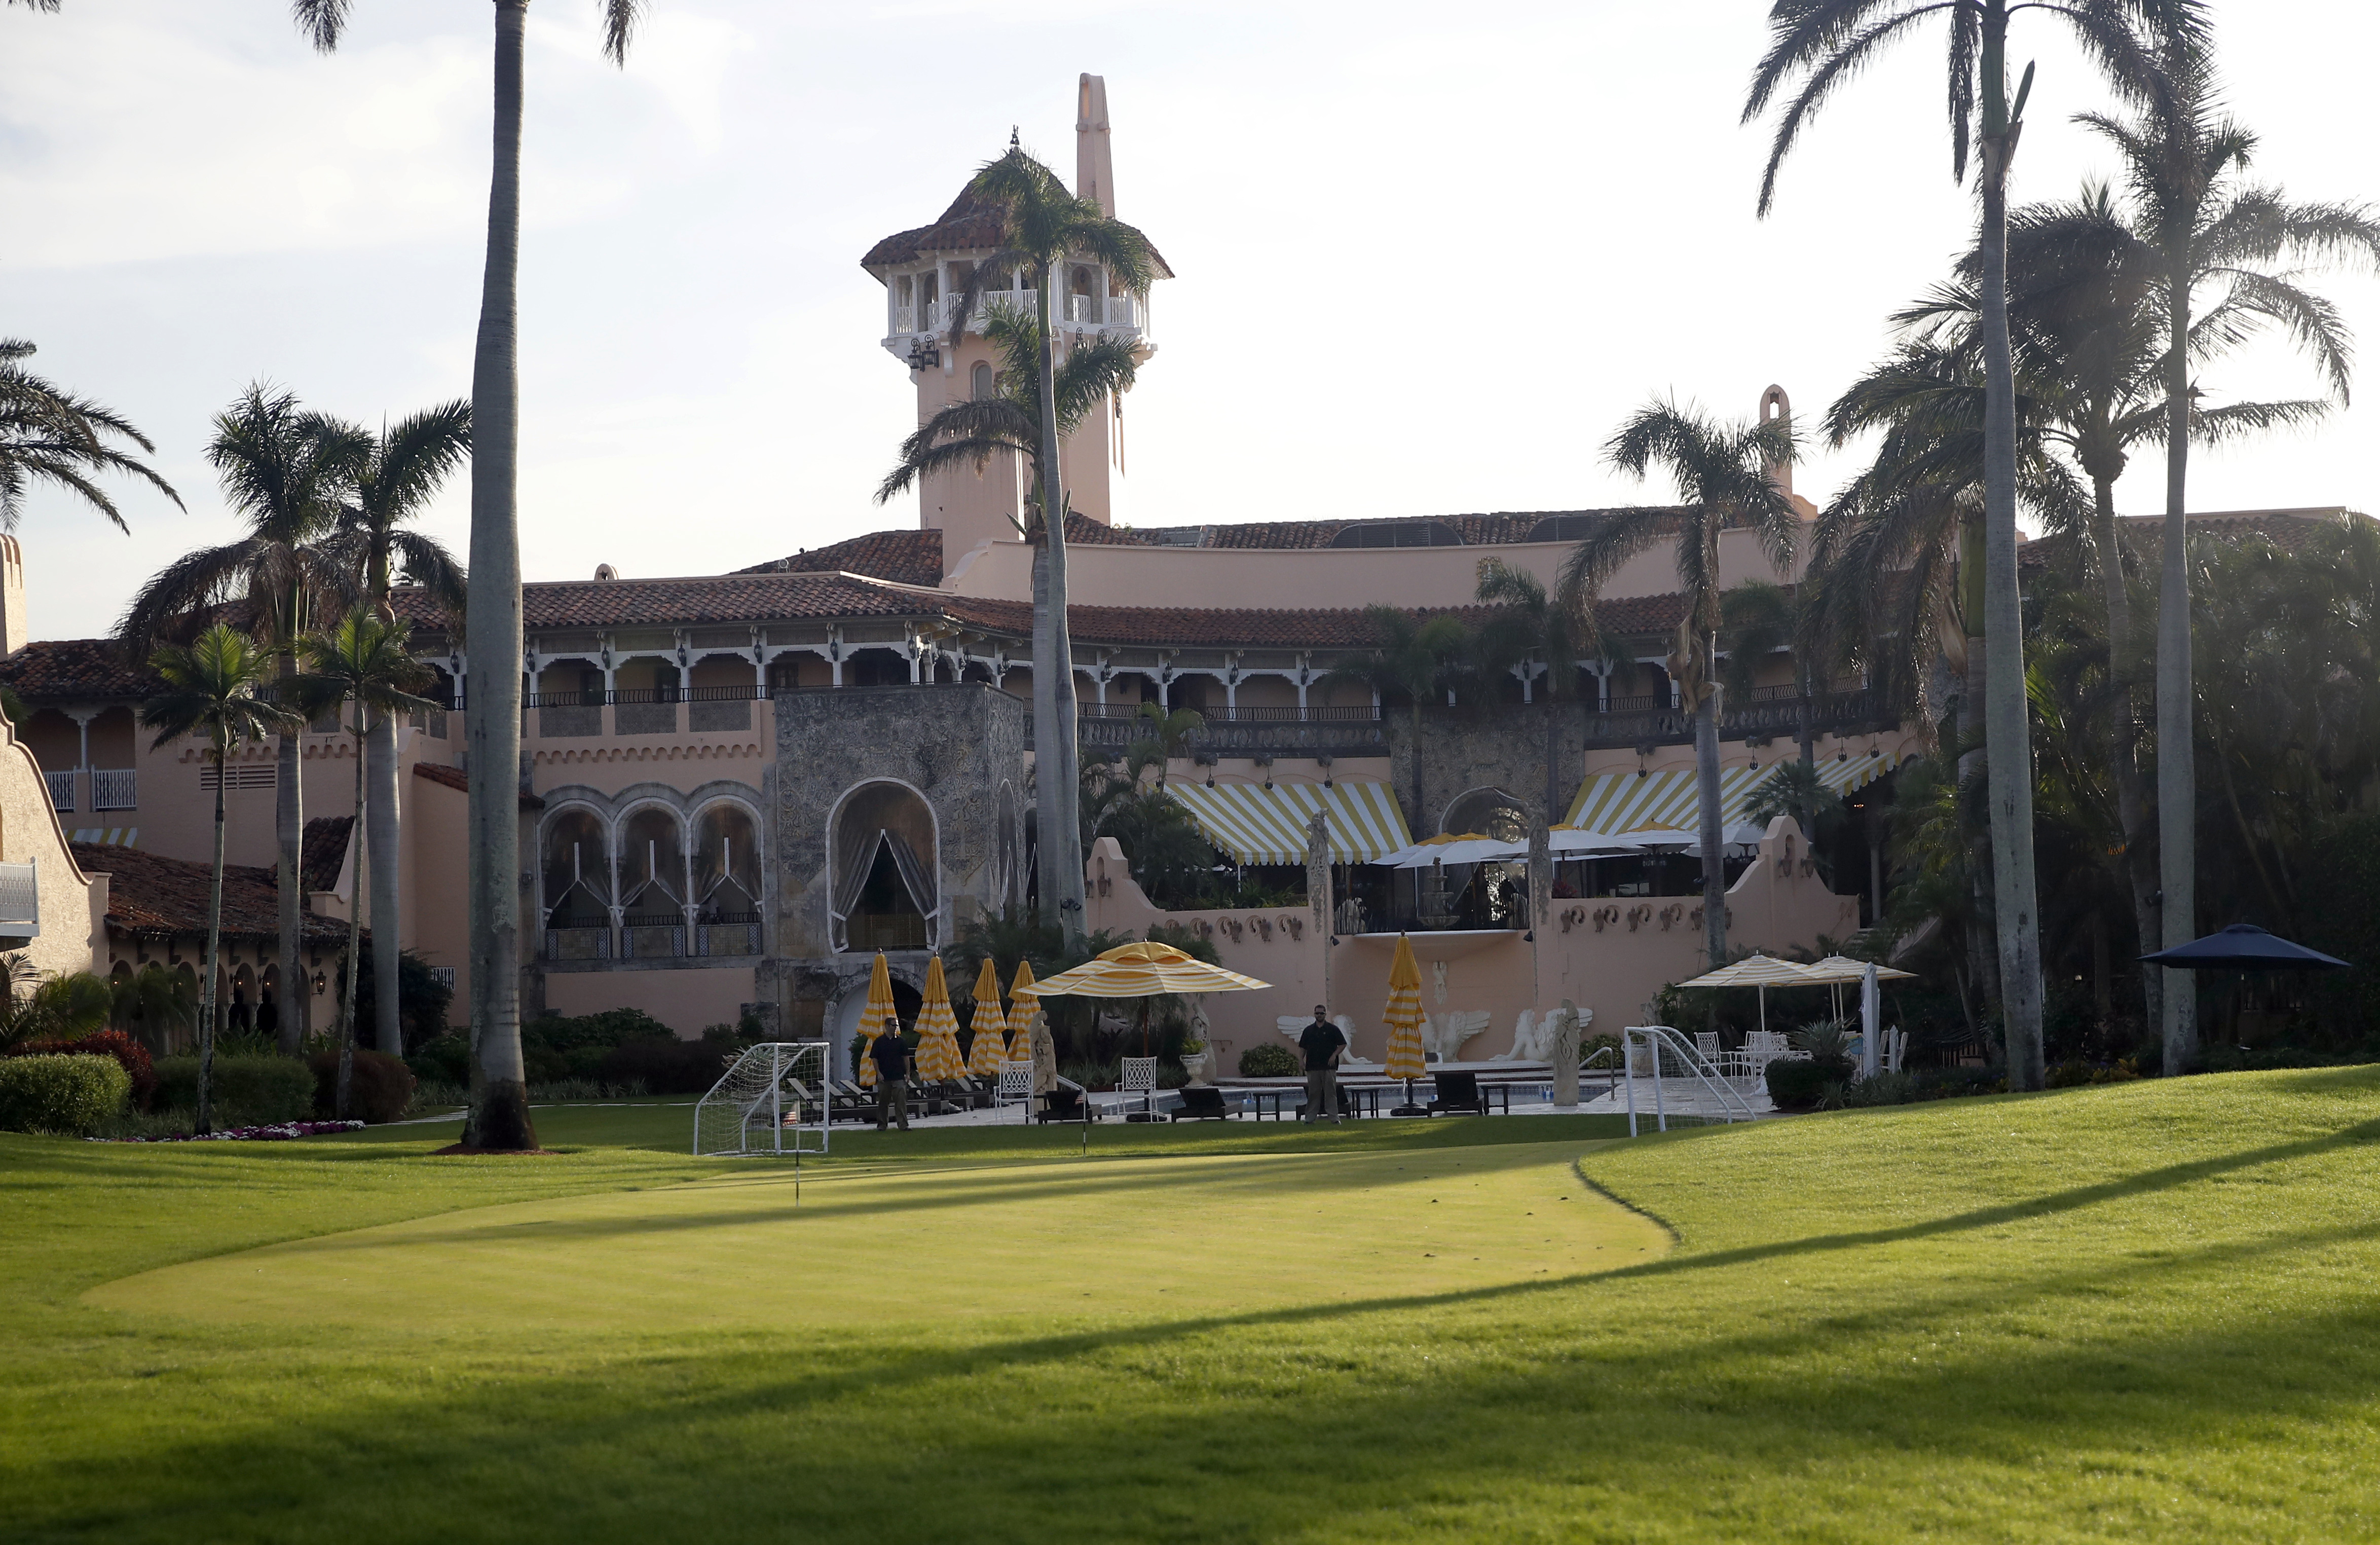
pixel 775 1100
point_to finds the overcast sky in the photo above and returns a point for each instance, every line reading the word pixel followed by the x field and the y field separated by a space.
pixel 1428 255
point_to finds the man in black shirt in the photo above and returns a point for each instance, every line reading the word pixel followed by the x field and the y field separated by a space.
pixel 892 1057
pixel 1323 1045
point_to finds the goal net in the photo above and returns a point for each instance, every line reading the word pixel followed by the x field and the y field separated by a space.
pixel 773 1101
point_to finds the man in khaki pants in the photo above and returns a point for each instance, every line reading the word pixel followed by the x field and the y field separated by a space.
pixel 1323 1045
pixel 892 1057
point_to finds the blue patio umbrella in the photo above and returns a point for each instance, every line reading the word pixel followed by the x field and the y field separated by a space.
pixel 2244 947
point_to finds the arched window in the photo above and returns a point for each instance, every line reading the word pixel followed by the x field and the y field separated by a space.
pixel 1491 812
pixel 578 872
pixel 653 869
pixel 726 865
pixel 883 889
pixel 981 380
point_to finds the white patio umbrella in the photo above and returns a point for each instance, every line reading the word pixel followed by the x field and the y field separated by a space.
pixel 1464 847
pixel 1840 970
pixel 1757 970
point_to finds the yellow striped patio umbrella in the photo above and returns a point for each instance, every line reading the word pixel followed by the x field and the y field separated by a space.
pixel 877 1017
pixel 938 1030
pixel 991 1026
pixel 1023 999
pixel 1143 971
pixel 1404 1017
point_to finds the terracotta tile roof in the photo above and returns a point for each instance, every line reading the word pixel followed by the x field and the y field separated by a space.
pixel 150 897
pixel 2144 534
pixel 694 601
pixel 970 224
pixel 910 557
pixel 72 670
pixel 454 778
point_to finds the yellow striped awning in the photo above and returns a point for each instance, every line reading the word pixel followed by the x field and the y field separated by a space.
pixel 1669 801
pixel 1260 826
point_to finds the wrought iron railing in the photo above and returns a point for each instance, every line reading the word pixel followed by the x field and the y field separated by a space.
pixel 62 789
pixel 114 788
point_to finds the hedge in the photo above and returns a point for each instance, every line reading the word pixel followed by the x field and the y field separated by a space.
pixel 247 1091
pixel 61 1092
pixel 1799 1085
pixel 1267 1059
pixel 129 1055
pixel 379 1087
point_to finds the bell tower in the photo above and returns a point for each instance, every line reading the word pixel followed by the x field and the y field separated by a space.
pixel 923 271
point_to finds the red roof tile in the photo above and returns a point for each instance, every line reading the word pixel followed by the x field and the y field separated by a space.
pixel 906 558
pixel 2287 529
pixel 150 897
pixel 970 224
pixel 72 670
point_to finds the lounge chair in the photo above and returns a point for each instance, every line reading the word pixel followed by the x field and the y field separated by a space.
pixel 1458 1091
pixel 1201 1104
pixel 1064 1104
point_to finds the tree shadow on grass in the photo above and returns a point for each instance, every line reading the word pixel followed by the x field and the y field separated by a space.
pixel 1267 1426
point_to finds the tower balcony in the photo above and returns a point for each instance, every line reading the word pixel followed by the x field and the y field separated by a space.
pixel 1116 316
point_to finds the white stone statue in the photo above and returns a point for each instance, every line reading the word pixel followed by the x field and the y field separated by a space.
pixel 1445 1033
pixel 1045 1053
pixel 1567 1025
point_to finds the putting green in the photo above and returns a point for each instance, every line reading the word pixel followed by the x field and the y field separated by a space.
pixel 1223 1234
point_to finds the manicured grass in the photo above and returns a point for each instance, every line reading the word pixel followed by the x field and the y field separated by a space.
pixel 2143 1311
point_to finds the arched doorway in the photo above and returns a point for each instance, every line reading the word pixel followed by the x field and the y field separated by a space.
pixel 883 885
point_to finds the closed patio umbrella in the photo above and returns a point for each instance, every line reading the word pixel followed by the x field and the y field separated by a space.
pixel 1403 1019
pixel 1023 998
pixel 938 1030
pixel 877 1017
pixel 991 1026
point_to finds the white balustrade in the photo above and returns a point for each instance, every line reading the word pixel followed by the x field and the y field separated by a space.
pixel 115 789
pixel 62 789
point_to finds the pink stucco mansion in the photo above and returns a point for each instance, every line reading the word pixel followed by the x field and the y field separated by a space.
pixel 738 786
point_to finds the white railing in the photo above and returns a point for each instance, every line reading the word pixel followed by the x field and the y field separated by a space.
pixel 61 790
pixel 1682 1076
pixel 20 900
pixel 1079 311
pixel 115 789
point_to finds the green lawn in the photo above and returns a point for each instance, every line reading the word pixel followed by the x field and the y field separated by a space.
pixel 2140 1312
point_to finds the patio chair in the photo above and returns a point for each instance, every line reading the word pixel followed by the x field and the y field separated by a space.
pixel 1138 1077
pixel 847 1101
pixel 1066 1103
pixel 1202 1105
pixel 1459 1091
pixel 1706 1046
pixel 1014 1086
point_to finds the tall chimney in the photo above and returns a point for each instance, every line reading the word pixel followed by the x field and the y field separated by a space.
pixel 1094 161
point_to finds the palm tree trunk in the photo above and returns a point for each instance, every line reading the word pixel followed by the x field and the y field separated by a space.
pixel 2132 811
pixel 2177 742
pixel 356 845
pixel 2007 714
pixel 289 828
pixel 1047 810
pixel 499 1117
pixel 206 1122
pixel 1713 855
pixel 380 845
pixel 1061 849
pixel 1983 953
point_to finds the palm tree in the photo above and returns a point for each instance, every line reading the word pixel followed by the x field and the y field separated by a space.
pixel 283 471
pixel 1416 658
pixel 970 432
pixel 1042 226
pixel 212 691
pixel 499 1116
pixel 1721 472
pixel 152 1000
pixel 1527 629
pixel 1169 736
pixel 1822 43
pixel 406 465
pixel 47 436
pixel 364 659
pixel 2194 225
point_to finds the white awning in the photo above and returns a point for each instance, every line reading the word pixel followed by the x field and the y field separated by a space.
pixel 1633 804
pixel 1260 826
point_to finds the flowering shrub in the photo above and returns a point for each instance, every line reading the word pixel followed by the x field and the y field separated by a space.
pixel 277 1133
pixel 128 1053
